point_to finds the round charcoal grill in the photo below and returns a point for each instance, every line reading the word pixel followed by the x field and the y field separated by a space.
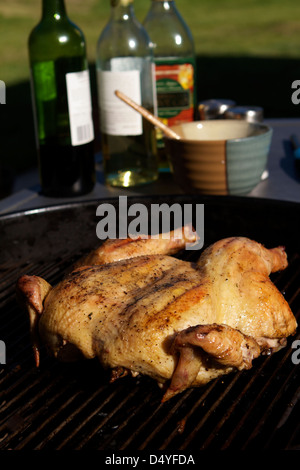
pixel 74 406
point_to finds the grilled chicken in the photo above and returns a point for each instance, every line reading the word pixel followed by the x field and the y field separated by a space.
pixel 142 311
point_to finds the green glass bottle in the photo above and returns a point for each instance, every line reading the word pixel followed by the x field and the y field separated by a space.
pixel 175 60
pixel 62 103
pixel 125 62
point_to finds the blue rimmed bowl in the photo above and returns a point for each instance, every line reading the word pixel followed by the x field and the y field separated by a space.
pixel 223 157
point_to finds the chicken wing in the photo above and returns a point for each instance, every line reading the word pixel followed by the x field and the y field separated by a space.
pixel 168 243
pixel 181 323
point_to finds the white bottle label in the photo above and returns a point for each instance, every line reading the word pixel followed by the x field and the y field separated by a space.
pixel 80 107
pixel 117 118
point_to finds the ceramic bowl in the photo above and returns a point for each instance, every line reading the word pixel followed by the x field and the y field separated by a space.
pixel 222 157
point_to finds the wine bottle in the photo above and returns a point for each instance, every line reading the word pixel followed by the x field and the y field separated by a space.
pixel 175 60
pixel 124 61
pixel 62 103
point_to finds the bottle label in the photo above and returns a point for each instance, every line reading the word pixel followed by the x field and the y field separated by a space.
pixel 117 118
pixel 80 107
pixel 175 93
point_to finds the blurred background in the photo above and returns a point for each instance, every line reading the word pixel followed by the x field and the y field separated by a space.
pixel 247 51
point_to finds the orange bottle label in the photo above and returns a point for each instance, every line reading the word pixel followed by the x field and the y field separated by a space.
pixel 175 92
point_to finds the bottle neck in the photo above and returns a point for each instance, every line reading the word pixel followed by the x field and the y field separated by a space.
pixel 122 10
pixel 164 4
pixel 54 10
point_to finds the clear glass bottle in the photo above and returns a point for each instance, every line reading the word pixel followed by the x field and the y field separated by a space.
pixel 175 60
pixel 125 62
pixel 62 103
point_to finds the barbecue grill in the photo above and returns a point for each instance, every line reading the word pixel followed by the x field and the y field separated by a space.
pixel 75 406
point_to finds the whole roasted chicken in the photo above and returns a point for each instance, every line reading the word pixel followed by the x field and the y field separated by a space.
pixel 142 311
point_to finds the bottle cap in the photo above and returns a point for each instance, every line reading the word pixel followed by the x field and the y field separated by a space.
pixel 214 108
pixel 247 113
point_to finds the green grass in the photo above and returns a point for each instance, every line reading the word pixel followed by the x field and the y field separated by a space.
pixel 257 28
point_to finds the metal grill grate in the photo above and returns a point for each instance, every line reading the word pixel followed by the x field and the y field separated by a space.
pixel 73 406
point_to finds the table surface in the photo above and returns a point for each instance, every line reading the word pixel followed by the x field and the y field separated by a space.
pixel 282 183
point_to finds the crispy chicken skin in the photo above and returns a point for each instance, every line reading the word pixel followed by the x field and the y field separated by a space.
pixel 181 323
pixel 164 243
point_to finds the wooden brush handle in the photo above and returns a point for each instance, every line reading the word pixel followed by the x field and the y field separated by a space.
pixel 147 115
